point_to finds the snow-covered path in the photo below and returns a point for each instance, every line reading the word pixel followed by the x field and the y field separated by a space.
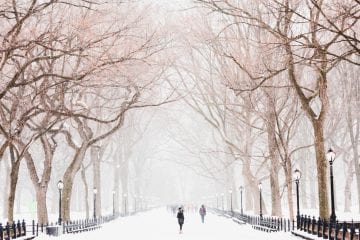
pixel 161 225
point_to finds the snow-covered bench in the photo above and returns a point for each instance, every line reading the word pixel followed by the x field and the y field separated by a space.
pixel 77 228
pixel 238 220
pixel 264 228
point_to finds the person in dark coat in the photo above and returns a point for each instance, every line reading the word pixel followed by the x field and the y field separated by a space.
pixel 202 212
pixel 180 217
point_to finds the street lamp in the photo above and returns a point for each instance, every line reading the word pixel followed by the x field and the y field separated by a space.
pixel 95 192
pixel 241 203
pixel 297 180
pixel 231 205
pixel 260 189
pixel 60 186
pixel 330 155
pixel 113 195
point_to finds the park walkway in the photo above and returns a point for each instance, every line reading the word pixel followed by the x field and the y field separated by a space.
pixel 159 224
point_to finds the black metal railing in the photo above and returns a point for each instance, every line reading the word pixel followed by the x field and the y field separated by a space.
pixel 261 223
pixel 21 229
pixel 13 230
pixel 328 230
pixel 320 227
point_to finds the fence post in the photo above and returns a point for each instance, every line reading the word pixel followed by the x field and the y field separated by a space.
pixel 301 222
pixel 336 229
pixel 278 224
pixel 289 225
pixel 18 226
pixel 313 225
pixel 7 229
pixel 13 227
pixel 33 227
pixel 1 232
pixel 330 228
pixel 344 231
pixel 24 227
pixel 318 226
pixel 37 229
pixel 294 225
pixel 352 230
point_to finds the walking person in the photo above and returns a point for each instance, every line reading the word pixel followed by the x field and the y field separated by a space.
pixel 180 217
pixel 202 212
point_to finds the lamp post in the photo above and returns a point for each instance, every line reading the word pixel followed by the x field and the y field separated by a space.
pixel 241 203
pixel 222 201
pixel 113 198
pixel 297 180
pixel 60 186
pixel 330 155
pixel 260 189
pixel 95 192
pixel 231 205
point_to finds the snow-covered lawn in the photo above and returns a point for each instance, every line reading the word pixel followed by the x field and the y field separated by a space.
pixel 159 224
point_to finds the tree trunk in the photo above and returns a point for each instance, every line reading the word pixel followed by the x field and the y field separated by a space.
pixel 347 190
pixel 289 184
pixel 274 167
pixel 116 166
pixel 40 184
pixel 95 155
pixel 6 186
pixel 235 189
pixel 41 205
pixel 354 138
pixel 321 165
pixel 248 195
pixel 14 174
pixel 303 188
pixel 68 180
pixel 86 191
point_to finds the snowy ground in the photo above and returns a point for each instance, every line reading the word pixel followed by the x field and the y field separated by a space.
pixel 160 225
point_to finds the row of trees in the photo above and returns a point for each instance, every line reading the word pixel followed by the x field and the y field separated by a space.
pixel 69 73
pixel 277 81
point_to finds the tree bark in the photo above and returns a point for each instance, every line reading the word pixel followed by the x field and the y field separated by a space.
pixel 6 186
pixel 347 189
pixel 274 166
pixel 116 166
pixel 95 155
pixel 40 184
pixel 41 205
pixel 14 175
pixel 321 165
pixel 354 139
pixel 86 191
pixel 289 184
pixel 68 180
